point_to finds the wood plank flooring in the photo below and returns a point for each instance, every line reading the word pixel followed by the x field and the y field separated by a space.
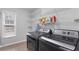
pixel 16 47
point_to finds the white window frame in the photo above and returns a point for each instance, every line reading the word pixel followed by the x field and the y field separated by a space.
pixel 8 14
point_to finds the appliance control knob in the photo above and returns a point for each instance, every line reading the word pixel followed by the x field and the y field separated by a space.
pixel 68 33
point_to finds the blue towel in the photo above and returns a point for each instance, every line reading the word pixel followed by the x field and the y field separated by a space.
pixel 37 27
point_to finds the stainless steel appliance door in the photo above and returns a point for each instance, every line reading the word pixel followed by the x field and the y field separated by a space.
pixel 46 46
pixel 56 44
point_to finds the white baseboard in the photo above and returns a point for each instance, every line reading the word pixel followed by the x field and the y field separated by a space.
pixel 12 43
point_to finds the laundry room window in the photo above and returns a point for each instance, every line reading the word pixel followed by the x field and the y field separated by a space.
pixel 8 24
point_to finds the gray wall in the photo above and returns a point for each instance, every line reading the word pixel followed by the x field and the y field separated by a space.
pixel 21 26
pixel 65 17
pixel 0 27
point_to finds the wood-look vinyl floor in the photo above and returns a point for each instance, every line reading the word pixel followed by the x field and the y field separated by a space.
pixel 16 47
